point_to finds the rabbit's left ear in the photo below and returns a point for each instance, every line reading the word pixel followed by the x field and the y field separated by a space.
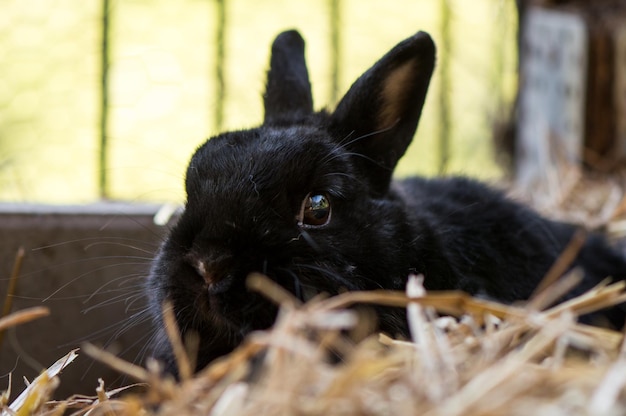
pixel 378 116
pixel 288 90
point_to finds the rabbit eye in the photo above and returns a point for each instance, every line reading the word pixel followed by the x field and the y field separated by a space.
pixel 315 210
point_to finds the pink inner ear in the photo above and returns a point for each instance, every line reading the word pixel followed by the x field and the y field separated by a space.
pixel 395 93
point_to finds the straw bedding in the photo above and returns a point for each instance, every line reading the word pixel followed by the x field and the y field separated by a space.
pixel 467 356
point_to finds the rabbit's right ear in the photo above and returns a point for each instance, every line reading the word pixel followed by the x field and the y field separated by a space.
pixel 288 90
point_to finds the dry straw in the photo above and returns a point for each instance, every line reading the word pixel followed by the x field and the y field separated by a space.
pixel 467 356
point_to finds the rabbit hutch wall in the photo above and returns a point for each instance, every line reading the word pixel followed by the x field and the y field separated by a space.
pixel 132 87
pixel 86 265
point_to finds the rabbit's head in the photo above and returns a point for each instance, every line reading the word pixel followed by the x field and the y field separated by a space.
pixel 304 199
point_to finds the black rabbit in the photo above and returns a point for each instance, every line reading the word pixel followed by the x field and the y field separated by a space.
pixel 308 199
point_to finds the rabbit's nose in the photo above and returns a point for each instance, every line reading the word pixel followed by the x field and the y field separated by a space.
pixel 214 272
pixel 202 269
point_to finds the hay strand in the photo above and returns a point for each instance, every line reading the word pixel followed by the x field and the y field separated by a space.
pixel 185 367
pixel 8 301
pixel 23 316
pixel 40 390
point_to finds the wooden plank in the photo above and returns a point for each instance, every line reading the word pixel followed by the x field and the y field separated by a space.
pixel 552 99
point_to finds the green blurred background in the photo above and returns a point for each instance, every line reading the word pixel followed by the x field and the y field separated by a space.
pixel 164 95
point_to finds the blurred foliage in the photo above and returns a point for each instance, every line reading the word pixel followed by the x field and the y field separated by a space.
pixel 163 85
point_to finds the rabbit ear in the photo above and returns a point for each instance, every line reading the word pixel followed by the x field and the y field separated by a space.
pixel 378 116
pixel 288 90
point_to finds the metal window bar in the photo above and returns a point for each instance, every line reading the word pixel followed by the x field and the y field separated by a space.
pixel 103 185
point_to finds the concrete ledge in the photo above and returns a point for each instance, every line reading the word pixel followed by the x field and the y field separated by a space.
pixel 87 264
pixel 99 208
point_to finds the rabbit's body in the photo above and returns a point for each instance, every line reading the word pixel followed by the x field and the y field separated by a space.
pixel 307 199
pixel 477 240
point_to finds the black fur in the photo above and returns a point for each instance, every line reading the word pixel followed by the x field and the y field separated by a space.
pixel 245 191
